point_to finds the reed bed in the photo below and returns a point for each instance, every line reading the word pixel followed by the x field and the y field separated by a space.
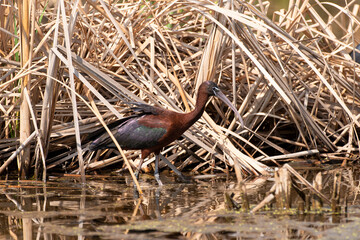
pixel 290 75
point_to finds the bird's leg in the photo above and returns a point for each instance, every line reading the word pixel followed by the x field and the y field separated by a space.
pixel 139 168
pixel 138 171
pixel 183 178
pixel 156 173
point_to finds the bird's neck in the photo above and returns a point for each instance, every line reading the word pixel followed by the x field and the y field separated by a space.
pixel 195 114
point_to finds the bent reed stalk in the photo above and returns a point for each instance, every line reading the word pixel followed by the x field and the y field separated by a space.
pixel 290 76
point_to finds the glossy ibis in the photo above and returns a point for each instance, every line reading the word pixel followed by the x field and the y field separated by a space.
pixel 152 128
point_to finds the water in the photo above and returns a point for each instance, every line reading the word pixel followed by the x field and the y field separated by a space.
pixel 108 208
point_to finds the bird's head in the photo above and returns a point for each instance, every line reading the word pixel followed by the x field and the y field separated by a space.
pixel 213 90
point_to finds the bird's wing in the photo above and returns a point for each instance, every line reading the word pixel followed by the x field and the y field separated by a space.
pixel 94 135
pixel 145 108
pixel 140 110
pixel 130 135
pixel 134 135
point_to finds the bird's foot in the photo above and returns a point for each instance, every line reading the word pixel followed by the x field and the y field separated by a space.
pixel 185 179
pixel 157 177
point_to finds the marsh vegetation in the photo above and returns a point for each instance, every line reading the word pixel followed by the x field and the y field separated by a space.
pixel 68 68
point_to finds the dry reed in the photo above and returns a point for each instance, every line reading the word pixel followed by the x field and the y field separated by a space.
pixel 290 76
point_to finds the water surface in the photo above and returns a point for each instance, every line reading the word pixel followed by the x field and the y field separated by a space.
pixel 108 208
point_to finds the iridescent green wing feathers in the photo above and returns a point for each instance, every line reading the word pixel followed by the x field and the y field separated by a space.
pixel 130 135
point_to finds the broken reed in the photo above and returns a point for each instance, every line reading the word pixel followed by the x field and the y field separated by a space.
pixel 291 78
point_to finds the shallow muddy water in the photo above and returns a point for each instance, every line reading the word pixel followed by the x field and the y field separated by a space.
pixel 108 208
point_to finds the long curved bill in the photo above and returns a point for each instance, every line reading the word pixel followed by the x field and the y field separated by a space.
pixel 220 95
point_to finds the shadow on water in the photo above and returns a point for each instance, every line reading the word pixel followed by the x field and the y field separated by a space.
pixel 106 208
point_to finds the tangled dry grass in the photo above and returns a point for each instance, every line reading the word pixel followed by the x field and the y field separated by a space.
pixel 290 76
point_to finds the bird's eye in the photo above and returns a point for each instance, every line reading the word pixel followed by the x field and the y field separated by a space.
pixel 215 89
